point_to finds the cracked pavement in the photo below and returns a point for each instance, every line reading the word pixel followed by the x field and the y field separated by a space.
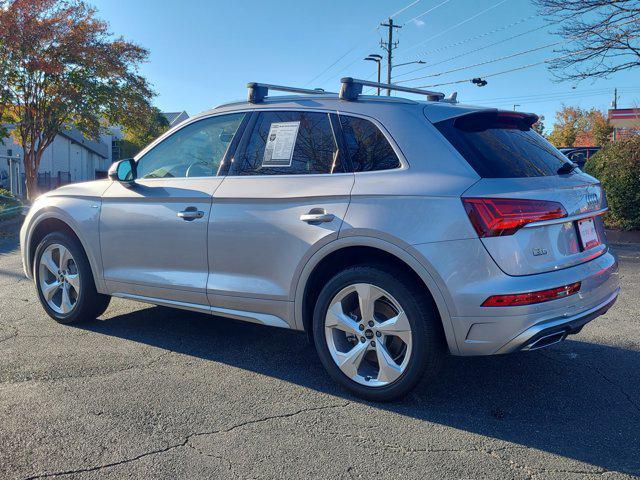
pixel 150 392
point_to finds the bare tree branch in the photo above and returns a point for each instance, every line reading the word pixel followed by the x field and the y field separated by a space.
pixel 604 33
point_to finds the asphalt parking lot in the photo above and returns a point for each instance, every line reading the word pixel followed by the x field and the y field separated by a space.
pixel 149 392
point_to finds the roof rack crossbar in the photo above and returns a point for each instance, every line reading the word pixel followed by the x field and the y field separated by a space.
pixel 258 91
pixel 351 88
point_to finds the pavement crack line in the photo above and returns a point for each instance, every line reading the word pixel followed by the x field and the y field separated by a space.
pixel 93 375
pixel 599 372
pixel 183 443
pixel 13 335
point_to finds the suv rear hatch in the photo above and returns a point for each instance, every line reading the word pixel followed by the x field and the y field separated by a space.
pixel 532 211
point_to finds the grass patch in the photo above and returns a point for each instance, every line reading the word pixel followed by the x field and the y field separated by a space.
pixel 10 207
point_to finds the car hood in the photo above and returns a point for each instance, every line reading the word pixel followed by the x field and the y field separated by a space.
pixel 82 189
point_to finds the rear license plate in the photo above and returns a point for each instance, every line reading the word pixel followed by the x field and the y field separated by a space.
pixel 588 233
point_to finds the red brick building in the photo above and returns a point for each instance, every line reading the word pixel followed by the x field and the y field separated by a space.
pixel 625 121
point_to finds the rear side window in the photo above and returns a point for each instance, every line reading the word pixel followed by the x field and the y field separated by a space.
pixel 290 143
pixel 502 145
pixel 367 147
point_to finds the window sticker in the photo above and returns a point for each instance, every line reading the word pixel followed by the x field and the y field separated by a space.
pixel 281 141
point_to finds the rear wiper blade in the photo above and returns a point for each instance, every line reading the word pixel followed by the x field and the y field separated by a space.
pixel 566 167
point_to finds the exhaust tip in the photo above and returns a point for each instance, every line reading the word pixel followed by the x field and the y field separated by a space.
pixel 547 340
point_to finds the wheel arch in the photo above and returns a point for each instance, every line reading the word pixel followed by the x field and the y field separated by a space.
pixel 56 221
pixel 349 251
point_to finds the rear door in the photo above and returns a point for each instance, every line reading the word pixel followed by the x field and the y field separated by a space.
pixel 530 217
pixel 285 196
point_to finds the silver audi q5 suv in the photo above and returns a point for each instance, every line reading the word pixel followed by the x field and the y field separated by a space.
pixel 391 231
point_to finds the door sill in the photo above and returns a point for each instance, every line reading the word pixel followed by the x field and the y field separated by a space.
pixel 253 317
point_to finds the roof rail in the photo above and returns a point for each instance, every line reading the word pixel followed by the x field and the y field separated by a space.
pixel 258 91
pixel 352 87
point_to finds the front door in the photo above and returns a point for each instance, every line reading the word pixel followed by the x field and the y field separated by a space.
pixel 153 235
pixel 286 195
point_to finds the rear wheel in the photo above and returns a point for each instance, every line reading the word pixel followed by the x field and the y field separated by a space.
pixel 376 332
pixel 64 280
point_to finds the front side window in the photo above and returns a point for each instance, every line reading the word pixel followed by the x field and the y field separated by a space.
pixel 290 143
pixel 196 150
pixel 367 146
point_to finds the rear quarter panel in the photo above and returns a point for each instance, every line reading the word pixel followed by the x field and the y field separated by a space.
pixel 415 205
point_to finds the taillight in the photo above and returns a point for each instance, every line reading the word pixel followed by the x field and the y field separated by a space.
pixel 494 217
pixel 517 299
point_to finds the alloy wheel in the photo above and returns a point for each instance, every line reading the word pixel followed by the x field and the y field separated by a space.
pixel 368 335
pixel 59 279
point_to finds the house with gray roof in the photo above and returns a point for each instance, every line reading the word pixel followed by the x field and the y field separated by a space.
pixel 175 118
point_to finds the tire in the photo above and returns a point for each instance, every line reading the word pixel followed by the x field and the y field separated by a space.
pixel 423 345
pixel 83 300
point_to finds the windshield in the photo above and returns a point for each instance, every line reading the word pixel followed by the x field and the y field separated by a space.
pixel 502 145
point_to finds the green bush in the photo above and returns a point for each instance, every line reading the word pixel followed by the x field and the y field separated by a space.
pixel 8 205
pixel 617 166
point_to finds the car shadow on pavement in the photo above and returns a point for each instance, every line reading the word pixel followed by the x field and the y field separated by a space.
pixel 576 399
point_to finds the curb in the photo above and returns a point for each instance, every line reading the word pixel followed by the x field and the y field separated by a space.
pixel 623 237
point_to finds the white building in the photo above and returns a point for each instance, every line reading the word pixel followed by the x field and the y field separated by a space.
pixel 70 158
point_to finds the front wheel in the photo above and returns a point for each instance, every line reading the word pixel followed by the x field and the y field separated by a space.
pixel 376 332
pixel 64 280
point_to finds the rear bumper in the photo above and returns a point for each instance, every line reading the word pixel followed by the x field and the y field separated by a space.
pixel 467 276
pixel 551 331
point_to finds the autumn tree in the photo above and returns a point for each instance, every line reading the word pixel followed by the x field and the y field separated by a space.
pixel 576 127
pixel 539 125
pixel 602 36
pixel 148 127
pixel 595 129
pixel 4 91
pixel 63 68
pixel 565 130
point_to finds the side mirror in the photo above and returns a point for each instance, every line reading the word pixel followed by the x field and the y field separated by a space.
pixel 123 171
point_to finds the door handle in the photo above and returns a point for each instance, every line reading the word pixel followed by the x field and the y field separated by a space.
pixel 317 215
pixel 190 213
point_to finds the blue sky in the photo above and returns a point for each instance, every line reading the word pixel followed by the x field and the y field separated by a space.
pixel 204 52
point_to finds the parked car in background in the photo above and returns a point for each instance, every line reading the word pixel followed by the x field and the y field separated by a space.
pixel 580 155
pixel 391 230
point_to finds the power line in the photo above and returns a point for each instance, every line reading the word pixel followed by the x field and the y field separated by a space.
pixel 466 20
pixel 475 50
pixel 505 57
pixel 357 44
pixel 561 42
pixel 404 8
pixel 533 97
pixel 339 59
pixel 522 67
pixel 428 11
pixel 479 36
pixel 547 98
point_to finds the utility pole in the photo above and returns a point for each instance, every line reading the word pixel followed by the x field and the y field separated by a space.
pixel 614 104
pixel 388 47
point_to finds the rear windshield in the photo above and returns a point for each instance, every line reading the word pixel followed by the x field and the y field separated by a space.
pixel 502 145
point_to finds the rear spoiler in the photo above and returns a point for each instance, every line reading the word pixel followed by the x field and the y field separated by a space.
pixel 479 121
